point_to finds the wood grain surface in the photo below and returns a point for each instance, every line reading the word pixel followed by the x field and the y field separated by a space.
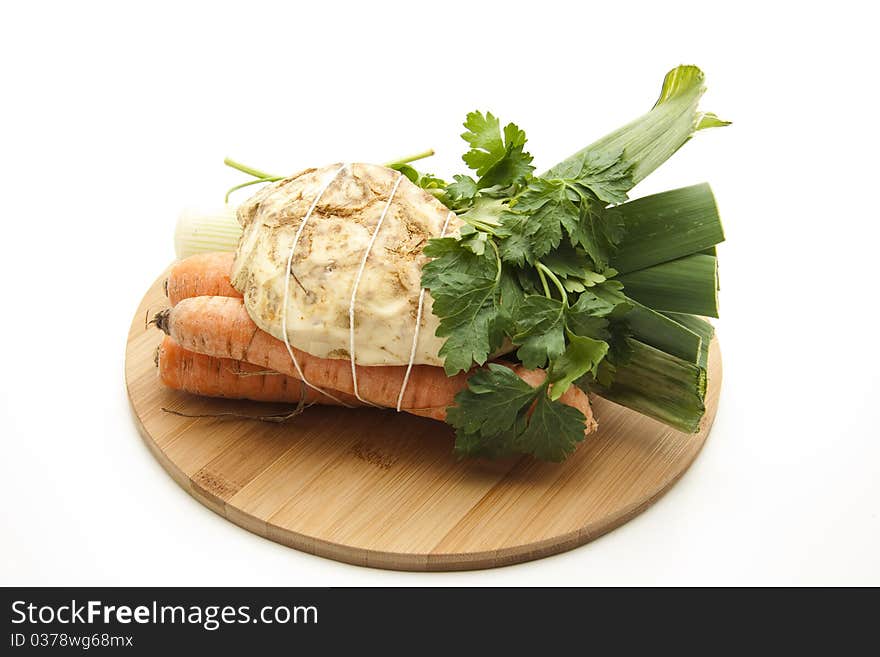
pixel 383 489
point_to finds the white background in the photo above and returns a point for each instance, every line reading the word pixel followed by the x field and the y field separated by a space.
pixel 113 119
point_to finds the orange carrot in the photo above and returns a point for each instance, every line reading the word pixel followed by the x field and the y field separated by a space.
pixel 200 275
pixel 221 326
pixel 223 377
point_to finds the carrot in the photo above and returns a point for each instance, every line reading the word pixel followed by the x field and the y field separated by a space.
pixel 223 377
pixel 221 326
pixel 199 275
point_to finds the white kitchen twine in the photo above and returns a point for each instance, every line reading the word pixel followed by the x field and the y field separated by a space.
pixel 415 341
pixel 289 273
pixel 357 282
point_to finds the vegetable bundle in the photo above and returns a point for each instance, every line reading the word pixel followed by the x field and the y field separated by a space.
pixel 540 288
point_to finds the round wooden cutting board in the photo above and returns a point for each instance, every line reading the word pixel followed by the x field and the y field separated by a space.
pixel 379 488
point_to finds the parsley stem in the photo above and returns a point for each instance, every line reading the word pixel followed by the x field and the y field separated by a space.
pixel 410 158
pixel 255 181
pixel 544 283
pixel 497 259
pixel 544 269
pixel 479 225
pixel 256 173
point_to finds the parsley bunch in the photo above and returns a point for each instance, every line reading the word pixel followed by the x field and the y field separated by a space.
pixel 529 271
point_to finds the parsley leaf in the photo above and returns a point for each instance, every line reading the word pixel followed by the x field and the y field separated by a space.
pixel 542 326
pixel 539 215
pixel 492 418
pixel 588 316
pixel 607 174
pixel 568 262
pixel 599 231
pixel 589 234
pixel 497 396
pixel 486 211
pixel 582 355
pixel 462 191
pixel 540 330
pixel 484 136
pixel 516 248
pixel 535 223
pixel 574 268
pixel 473 240
pixel 574 201
pixel 518 233
pixel 553 431
pixel 512 293
pixel 499 160
pixel 465 288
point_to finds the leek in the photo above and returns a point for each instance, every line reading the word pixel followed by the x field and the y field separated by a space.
pixel 653 138
pixel 664 333
pixel 659 385
pixel 702 328
pixel 687 285
pixel 666 226
pixel 656 329
pixel 201 231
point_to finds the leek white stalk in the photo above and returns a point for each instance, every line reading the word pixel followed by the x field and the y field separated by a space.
pixel 205 230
